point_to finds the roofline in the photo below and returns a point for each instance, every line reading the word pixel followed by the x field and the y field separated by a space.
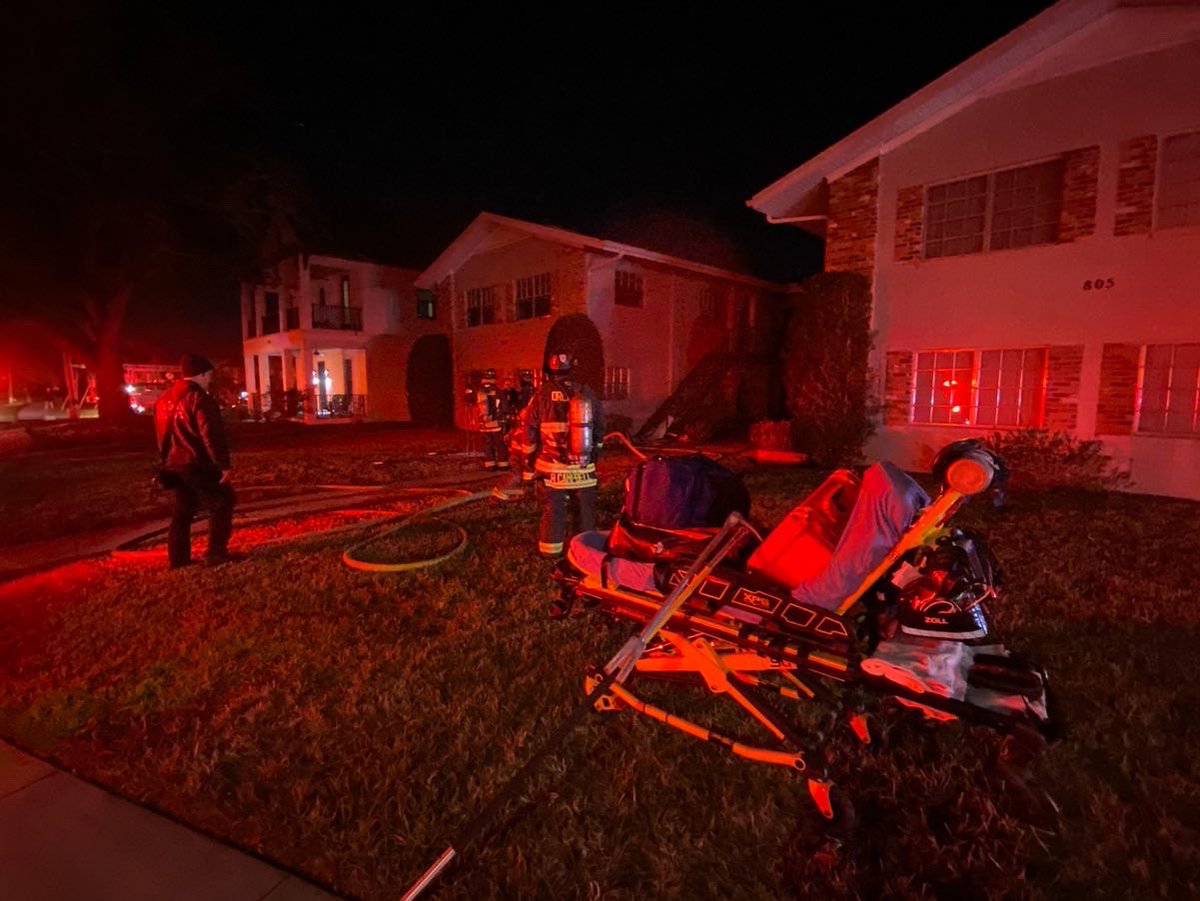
pixel 584 242
pixel 931 104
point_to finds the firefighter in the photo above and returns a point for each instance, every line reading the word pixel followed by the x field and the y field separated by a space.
pixel 490 413
pixel 563 423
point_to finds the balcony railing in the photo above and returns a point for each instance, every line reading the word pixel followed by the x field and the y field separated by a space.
pixel 284 406
pixel 330 316
pixel 270 324
pixel 293 318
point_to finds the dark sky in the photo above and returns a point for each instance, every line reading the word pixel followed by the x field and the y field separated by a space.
pixel 652 127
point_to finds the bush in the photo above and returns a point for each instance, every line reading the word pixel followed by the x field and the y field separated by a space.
pixel 1041 459
pixel 825 367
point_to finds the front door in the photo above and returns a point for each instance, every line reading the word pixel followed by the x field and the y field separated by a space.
pixel 322 394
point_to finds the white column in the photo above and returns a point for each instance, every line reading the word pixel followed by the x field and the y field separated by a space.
pixel 305 299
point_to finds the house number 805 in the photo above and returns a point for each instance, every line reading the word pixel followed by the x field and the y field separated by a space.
pixel 1098 284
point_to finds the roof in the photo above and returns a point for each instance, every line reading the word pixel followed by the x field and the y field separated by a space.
pixel 1070 36
pixel 485 228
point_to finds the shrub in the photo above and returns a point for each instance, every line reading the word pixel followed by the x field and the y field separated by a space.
pixel 825 367
pixel 1041 459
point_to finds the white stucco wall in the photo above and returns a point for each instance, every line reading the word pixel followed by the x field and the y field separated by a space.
pixel 1035 296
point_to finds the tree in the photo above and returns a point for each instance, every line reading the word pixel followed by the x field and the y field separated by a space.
pixel 826 368
pixel 128 179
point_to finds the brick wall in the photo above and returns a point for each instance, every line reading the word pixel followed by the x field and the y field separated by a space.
pixel 1077 219
pixel 1063 368
pixel 1135 185
pixel 1118 389
pixel 897 386
pixel 853 221
pixel 910 211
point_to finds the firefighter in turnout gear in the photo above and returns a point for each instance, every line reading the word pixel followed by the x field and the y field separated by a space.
pixel 490 412
pixel 563 425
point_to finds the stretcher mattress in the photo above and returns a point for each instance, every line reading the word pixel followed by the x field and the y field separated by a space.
pixel 588 553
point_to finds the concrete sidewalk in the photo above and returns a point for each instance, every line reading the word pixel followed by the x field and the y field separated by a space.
pixel 62 839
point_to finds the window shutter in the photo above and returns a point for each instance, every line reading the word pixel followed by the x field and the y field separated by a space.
pixel 1063 368
pixel 1118 389
pixel 897 387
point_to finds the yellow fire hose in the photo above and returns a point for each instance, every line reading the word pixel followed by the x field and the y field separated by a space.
pixel 356 563
pixel 368 566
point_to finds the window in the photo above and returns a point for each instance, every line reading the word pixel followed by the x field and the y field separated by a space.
pixel 942 391
pixel 1026 203
pixel 270 319
pixel 1009 387
pixel 1169 399
pixel 346 291
pixel 628 289
pixel 980 387
pixel 533 296
pixel 426 304
pixel 1001 210
pixel 481 306
pixel 955 215
pixel 710 303
pixel 321 295
pixel 1179 183
pixel 616 382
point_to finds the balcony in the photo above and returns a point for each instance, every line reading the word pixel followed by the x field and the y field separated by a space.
pixel 333 317
pixel 293 318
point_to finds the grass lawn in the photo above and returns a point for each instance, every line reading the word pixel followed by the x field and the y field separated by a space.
pixel 346 724
pixel 81 486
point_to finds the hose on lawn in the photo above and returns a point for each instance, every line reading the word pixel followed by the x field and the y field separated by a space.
pixel 404 521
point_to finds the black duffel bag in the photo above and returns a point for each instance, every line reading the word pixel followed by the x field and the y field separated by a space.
pixel 674 505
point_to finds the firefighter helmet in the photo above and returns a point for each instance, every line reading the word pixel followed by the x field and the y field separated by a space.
pixel 559 363
pixel 489 377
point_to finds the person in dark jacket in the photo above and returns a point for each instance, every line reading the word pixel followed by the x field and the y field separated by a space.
pixel 195 462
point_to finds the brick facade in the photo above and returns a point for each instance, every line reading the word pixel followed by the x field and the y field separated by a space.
pixel 910 213
pixel 1081 169
pixel 1064 366
pixel 853 221
pixel 1118 389
pixel 897 386
pixel 1136 159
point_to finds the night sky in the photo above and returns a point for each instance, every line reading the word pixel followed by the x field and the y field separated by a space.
pixel 647 127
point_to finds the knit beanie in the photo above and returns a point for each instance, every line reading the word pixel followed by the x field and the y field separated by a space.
pixel 194 364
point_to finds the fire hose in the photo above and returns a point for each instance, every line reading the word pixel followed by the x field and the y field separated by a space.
pixel 349 558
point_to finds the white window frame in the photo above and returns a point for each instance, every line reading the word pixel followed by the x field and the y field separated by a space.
pixel 1192 386
pixel 616 382
pixel 1035 393
pixel 483 300
pixel 1159 184
pixel 989 211
pixel 534 291
pixel 635 284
